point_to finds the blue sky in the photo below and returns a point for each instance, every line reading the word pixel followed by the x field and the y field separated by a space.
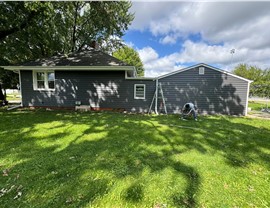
pixel 172 35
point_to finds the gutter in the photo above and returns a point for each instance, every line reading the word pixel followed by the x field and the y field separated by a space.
pixel 71 68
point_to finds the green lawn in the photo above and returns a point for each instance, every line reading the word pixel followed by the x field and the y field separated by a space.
pixel 69 159
pixel 258 105
pixel 13 97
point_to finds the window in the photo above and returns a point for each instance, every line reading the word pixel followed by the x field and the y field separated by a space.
pixel 139 91
pixel 40 80
pixel 201 70
pixel 43 80
pixel 51 80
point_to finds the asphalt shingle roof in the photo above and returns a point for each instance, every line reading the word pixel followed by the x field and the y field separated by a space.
pixel 90 57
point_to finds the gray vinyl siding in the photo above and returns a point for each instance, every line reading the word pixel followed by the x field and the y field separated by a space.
pixel 100 89
pixel 214 92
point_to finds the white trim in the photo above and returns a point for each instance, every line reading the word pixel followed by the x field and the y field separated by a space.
pixel 135 71
pixel 205 65
pixel 141 85
pixel 34 80
pixel 71 68
pixel 46 82
pixel 140 78
pixel 20 81
pixel 156 101
pixel 246 110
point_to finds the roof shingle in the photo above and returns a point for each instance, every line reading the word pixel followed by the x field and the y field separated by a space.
pixel 90 57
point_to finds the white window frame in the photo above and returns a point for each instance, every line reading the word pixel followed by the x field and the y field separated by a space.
pixel 135 87
pixel 201 70
pixel 46 81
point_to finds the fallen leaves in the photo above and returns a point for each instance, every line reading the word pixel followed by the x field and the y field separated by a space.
pixel 19 194
pixel 4 191
pixel 6 172
pixel 11 188
pixel 18 191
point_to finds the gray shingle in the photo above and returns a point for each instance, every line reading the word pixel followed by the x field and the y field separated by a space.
pixel 90 57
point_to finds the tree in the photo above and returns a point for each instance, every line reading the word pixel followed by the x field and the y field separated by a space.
pixel 32 30
pixel 261 79
pixel 131 57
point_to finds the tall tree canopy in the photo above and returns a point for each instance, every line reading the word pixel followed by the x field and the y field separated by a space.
pixel 261 79
pixel 131 57
pixel 31 30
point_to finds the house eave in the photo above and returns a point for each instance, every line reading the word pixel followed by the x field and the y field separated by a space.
pixel 141 78
pixel 70 68
pixel 205 65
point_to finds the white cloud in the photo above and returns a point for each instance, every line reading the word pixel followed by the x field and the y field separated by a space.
pixel 215 21
pixel 222 26
pixel 168 39
pixel 237 22
pixel 217 55
pixel 155 66
pixel 147 54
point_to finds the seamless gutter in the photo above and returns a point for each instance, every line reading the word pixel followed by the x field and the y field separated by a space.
pixel 70 68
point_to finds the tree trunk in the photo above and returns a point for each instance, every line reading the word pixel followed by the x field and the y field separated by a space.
pixel 3 96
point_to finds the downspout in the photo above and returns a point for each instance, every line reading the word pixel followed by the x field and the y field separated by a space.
pixel 246 110
pixel 20 87
pixel 135 72
pixel 156 101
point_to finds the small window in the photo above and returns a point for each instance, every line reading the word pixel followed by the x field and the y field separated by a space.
pixel 139 91
pixel 43 80
pixel 201 70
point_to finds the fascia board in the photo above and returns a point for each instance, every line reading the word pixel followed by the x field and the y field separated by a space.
pixel 71 68
pixel 141 78
pixel 205 65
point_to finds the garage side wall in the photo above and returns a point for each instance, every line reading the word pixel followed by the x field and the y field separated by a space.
pixel 212 92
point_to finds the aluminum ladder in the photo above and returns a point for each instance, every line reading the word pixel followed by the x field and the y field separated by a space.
pixel 158 91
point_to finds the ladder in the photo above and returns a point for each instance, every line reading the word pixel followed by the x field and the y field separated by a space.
pixel 158 91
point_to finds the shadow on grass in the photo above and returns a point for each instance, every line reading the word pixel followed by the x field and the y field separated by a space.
pixel 85 168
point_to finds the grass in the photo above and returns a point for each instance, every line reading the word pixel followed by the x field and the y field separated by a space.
pixel 258 105
pixel 69 159
pixel 13 97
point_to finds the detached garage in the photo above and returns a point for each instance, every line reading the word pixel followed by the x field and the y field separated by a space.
pixel 212 90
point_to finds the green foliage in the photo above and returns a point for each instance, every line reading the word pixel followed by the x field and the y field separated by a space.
pixel 131 57
pixel 71 159
pixel 8 79
pixel 32 30
pixel 249 72
pixel 261 79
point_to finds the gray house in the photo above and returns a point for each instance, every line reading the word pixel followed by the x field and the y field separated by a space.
pixel 103 82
